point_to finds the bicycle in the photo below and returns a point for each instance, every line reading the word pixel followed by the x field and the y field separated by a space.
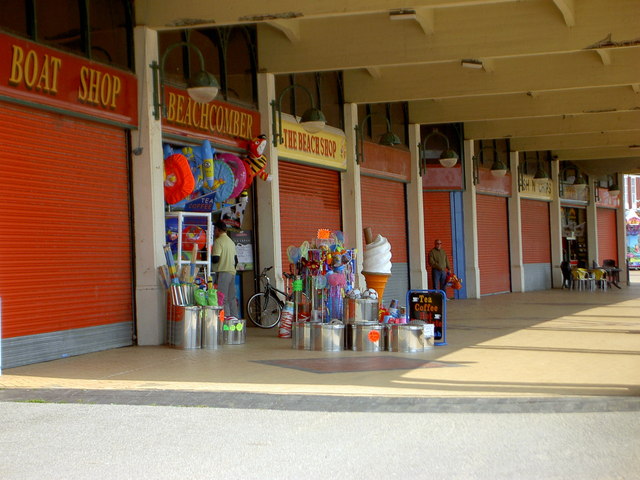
pixel 265 307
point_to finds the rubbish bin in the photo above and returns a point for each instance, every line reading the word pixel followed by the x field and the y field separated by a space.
pixel 234 331
pixel 301 335
pixel 368 337
pixel 327 337
pixel 407 338
pixel 185 327
pixel 210 326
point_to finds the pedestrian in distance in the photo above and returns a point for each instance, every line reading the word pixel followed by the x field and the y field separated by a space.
pixel 439 264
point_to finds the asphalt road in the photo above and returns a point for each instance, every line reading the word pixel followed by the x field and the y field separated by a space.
pixel 93 441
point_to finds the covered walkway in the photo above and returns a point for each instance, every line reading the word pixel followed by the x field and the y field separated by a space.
pixel 555 343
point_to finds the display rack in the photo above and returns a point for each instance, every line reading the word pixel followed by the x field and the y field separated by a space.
pixel 206 218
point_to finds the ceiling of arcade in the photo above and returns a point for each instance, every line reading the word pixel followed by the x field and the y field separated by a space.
pixel 559 75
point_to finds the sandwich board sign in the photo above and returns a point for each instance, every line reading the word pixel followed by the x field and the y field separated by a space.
pixel 430 306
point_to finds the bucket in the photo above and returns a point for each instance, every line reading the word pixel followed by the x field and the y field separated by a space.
pixel 182 295
pixel 368 337
pixel 406 338
pixel 327 337
pixel 361 310
pixel 301 335
pixel 234 331
pixel 210 326
pixel 185 327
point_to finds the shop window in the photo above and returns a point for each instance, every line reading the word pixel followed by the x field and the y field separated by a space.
pixel 98 29
pixel 110 32
pixel 325 89
pixel 14 16
pixel 228 53
pixel 375 126
pixel 58 24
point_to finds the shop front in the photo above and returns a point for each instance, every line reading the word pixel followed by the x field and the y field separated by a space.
pixel 493 191
pixel 66 282
pixel 212 159
pixel 535 198
pixel 384 209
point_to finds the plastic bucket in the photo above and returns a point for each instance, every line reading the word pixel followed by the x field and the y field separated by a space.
pixel 301 335
pixel 210 326
pixel 368 337
pixel 327 337
pixel 185 327
pixel 234 331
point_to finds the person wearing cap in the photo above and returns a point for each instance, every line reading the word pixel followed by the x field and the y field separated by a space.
pixel 439 264
pixel 225 260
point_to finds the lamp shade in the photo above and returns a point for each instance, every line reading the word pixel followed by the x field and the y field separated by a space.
pixel 448 158
pixel 389 139
pixel 203 87
pixel 498 169
pixel 313 120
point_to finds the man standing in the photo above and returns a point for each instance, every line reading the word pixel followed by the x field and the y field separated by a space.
pixel 439 266
pixel 225 260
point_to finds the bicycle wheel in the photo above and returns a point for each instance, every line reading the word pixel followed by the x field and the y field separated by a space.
pixel 263 310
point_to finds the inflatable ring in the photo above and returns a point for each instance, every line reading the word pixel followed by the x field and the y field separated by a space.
pixel 239 172
pixel 178 179
pixel 224 181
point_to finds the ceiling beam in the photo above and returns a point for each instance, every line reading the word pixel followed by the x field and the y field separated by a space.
pixel 567 10
pixel 290 29
pixel 594 153
pixel 506 29
pixel 519 105
pixel 563 125
pixel 576 141
pixel 159 14
pixel 512 75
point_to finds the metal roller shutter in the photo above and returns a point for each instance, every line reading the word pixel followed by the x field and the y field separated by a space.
pixel 437 225
pixel 607 235
pixel 66 280
pixel 309 200
pixel 536 236
pixel 384 210
pixel 493 245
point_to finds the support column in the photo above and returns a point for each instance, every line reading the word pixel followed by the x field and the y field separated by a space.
pixel 515 228
pixel 555 216
pixel 415 217
pixel 351 192
pixel 147 172
pixel 621 228
pixel 592 228
pixel 268 195
pixel 472 270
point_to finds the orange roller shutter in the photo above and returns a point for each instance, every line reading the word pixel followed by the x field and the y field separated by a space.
pixel 309 200
pixel 66 245
pixel 493 245
pixel 536 237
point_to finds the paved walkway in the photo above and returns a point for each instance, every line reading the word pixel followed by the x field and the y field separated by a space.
pixel 546 346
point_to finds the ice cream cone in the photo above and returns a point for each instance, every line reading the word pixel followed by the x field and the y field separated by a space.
pixel 377 281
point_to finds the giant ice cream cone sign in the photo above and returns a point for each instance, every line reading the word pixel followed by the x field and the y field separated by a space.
pixel 376 265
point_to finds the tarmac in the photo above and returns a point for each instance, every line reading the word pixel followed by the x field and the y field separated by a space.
pixel 553 350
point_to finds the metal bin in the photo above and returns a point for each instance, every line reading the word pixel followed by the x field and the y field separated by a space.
pixel 210 326
pixel 327 337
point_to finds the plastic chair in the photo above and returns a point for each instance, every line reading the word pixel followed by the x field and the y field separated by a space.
pixel 581 277
pixel 600 278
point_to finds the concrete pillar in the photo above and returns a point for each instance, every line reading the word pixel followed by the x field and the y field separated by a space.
pixel 268 196
pixel 472 270
pixel 147 172
pixel 621 227
pixel 555 217
pixel 592 228
pixel 415 217
pixel 515 229
pixel 351 193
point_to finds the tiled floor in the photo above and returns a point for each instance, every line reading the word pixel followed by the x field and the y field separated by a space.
pixel 555 343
